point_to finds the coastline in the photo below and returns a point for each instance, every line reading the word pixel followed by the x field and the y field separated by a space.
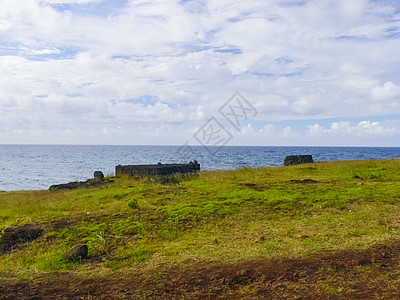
pixel 235 233
pixel 38 167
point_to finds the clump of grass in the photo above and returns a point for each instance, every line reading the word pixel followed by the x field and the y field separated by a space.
pixel 133 204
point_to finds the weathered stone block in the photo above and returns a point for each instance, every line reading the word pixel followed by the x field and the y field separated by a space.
pixel 297 159
pixel 98 175
pixel 158 169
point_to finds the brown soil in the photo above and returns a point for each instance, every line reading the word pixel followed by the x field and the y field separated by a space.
pixel 259 188
pixel 14 236
pixel 370 274
pixel 254 186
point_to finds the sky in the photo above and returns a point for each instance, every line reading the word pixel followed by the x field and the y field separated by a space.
pixel 144 72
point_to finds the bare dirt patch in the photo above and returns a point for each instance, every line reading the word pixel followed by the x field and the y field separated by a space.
pixel 369 274
pixel 14 236
pixel 307 180
pixel 254 186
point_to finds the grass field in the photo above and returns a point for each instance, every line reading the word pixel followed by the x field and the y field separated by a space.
pixel 320 230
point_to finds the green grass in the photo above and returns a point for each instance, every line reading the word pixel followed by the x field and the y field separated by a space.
pixel 224 216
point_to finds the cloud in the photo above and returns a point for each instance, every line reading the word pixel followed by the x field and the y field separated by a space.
pixel 69 1
pixel 388 90
pixel 77 62
pixel 344 128
pixel 289 132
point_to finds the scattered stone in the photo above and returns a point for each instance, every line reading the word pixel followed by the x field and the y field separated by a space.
pixel 261 239
pixel 79 184
pixel 76 253
pixel 65 186
pixel 245 272
pixel 15 236
pixel 297 159
pixel 98 175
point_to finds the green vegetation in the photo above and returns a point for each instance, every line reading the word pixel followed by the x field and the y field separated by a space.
pixel 143 224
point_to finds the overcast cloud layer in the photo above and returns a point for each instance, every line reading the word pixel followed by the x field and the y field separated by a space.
pixel 318 72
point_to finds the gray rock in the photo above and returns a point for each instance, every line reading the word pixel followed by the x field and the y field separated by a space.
pixel 76 253
pixel 14 236
pixel 65 186
pixel 80 184
pixel 297 159
pixel 98 175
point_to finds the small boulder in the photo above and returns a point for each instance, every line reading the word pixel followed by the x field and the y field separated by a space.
pixel 77 252
pixel 14 236
pixel 98 175
pixel 297 159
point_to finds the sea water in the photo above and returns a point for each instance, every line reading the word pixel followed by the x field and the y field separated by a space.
pixel 35 167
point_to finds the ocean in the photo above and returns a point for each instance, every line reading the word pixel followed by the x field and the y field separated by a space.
pixel 36 167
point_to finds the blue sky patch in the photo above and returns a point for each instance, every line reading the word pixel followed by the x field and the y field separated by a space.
pixel 74 95
pixel 144 100
pixel 194 6
pixel 229 50
pixel 101 9
pixel 293 3
pixel 125 57
pixel 350 38
pixel 284 60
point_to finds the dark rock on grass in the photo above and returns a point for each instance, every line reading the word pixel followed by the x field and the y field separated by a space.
pixel 14 236
pixel 77 253
pixel 65 186
pixel 297 159
pixel 307 180
pixel 98 175
pixel 79 184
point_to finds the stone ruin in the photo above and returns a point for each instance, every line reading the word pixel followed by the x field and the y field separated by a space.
pixel 297 159
pixel 132 170
pixel 158 169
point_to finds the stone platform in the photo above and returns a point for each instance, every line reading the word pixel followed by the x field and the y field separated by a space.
pixel 158 169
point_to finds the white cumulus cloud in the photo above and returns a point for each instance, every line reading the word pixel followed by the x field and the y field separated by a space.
pixel 95 64
pixel 344 128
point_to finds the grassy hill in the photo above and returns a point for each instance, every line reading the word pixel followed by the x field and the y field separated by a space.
pixel 317 230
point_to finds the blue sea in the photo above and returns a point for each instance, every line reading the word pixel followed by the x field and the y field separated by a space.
pixel 36 167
